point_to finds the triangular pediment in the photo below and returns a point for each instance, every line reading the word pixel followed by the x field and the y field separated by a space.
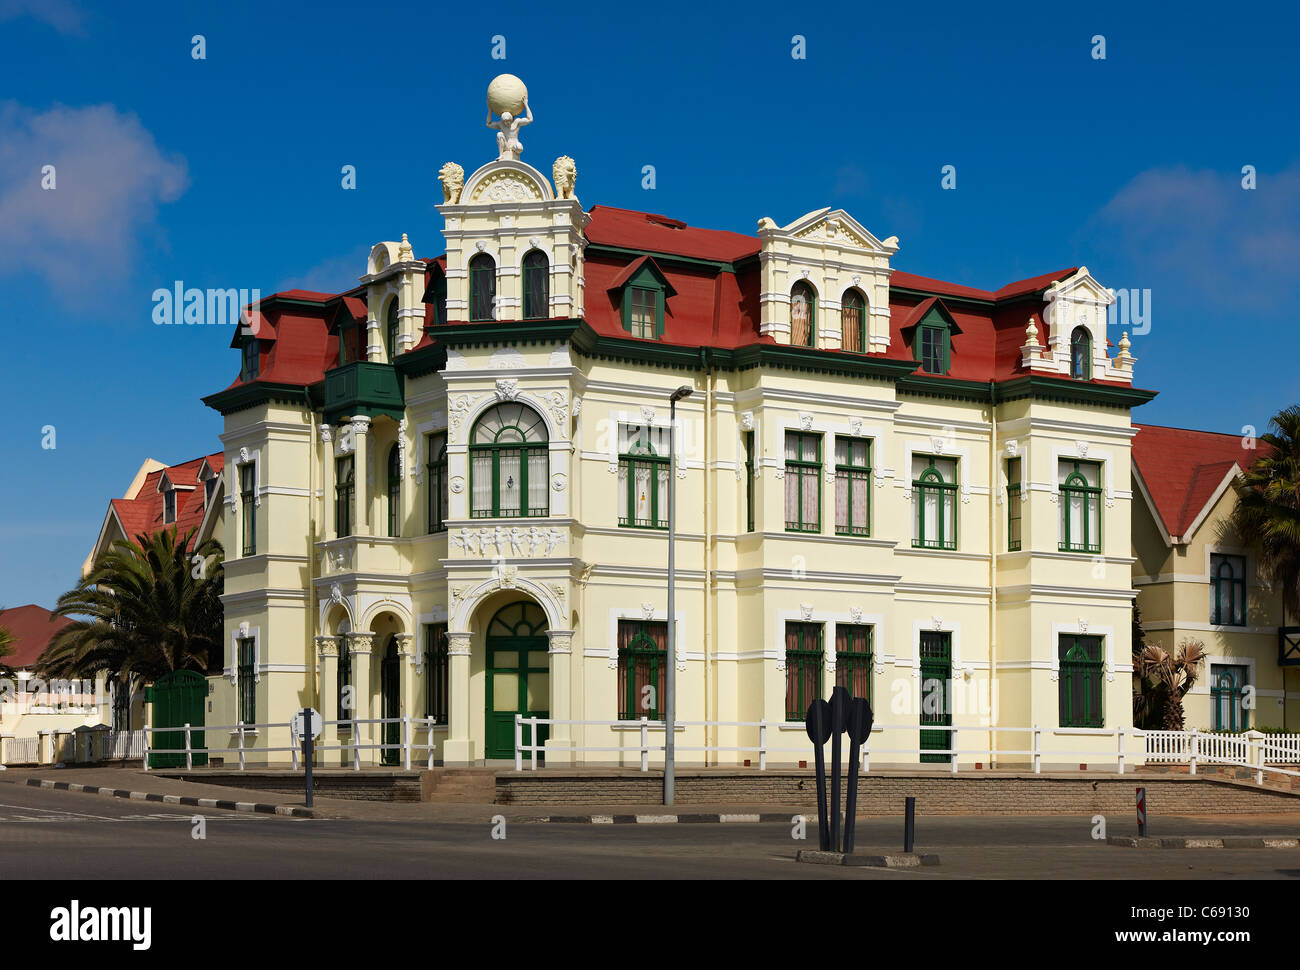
pixel 837 227
pixel 1080 286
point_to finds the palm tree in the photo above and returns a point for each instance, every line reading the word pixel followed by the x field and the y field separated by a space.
pixel 147 608
pixel 1165 678
pixel 1268 508
pixel 6 638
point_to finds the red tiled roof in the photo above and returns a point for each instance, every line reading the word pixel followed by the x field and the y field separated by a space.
pixel 1182 469
pixel 32 627
pixel 630 229
pixel 144 513
pixel 712 306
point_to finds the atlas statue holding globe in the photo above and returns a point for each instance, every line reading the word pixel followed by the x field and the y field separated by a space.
pixel 507 96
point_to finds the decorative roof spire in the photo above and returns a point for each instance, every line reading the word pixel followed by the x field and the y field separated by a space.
pixel 404 251
pixel 1031 333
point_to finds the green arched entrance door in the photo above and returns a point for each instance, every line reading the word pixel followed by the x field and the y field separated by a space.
pixel 390 685
pixel 518 676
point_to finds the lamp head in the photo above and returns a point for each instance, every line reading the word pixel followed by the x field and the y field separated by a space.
pixel 684 391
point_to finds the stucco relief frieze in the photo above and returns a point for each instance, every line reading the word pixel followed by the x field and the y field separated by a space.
pixel 498 542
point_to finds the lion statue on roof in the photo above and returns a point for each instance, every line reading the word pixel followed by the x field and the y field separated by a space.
pixel 565 174
pixel 452 177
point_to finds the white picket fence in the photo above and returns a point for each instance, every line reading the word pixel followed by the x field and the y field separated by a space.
pixel 22 751
pixel 348 732
pixel 1175 747
pixel 1118 743
pixel 1254 750
pixel 125 745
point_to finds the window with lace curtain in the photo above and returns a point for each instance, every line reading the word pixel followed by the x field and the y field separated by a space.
pixel 852 486
pixel 509 463
pixel 642 476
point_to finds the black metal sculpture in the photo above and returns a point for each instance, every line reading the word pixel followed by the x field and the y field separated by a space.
pixel 826 722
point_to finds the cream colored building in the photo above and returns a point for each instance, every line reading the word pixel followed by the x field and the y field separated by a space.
pixel 446 488
pixel 1197 580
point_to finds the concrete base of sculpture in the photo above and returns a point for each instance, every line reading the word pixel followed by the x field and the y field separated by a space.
pixel 898 860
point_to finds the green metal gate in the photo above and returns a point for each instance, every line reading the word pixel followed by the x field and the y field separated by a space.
pixel 518 676
pixel 936 685
pixel 178 698
pixel 390 688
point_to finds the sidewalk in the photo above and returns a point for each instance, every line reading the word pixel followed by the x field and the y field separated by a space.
pixel 136 779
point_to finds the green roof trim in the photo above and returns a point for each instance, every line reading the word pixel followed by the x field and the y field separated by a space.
pixel 250 395
pixel 716 264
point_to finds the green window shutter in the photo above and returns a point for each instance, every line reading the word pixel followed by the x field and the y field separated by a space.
pixel 642 667
pixel 1080 681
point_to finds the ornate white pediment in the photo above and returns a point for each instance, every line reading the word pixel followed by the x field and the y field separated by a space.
pixel 833 227
pixel 506 181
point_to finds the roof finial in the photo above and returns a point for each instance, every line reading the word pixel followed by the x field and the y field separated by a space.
pixel 1031 333
pixel 404 252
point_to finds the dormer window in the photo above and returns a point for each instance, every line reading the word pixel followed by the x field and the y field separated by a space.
pixel 1081 354
pixel 249 362
pixel 803 315
pixel 934 349
pixel 169 506
pixel 209 489
pixel 641 311
pixel 931 336
pixel 350 346
pixel 642 292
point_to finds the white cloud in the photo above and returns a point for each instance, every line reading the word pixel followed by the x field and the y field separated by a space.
pixel 1201 233
pixel 330 276
pixel 63 15
pixel 110 176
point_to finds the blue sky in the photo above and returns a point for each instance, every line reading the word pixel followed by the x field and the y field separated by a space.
pixel 225 172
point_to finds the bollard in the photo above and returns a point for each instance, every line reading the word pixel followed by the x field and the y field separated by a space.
pixel 1142 811
pixel 909 824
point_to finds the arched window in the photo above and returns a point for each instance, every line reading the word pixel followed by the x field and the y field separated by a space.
pixel 482 288
pixel 853 322
pixel 803 315
pixel 1081 354
pixel 391 333
pixel 537 286
pixel 509 468
pixel 1080 501
pixel 395 490
pixel 934 481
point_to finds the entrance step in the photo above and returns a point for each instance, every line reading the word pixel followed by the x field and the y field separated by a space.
pixel 459 785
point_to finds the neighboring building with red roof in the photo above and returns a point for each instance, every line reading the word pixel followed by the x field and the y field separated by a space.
pixel 186 497
pixel 27 704
pixel 1198 580
pixel 883 479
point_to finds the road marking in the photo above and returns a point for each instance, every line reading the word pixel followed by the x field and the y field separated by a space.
pixel 57 812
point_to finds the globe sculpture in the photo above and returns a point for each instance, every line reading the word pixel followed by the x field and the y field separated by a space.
pixel 506 93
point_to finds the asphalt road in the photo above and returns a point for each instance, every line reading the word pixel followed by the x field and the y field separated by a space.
pixel 66 835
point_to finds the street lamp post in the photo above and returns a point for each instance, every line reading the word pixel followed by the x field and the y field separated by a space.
pixel 670 704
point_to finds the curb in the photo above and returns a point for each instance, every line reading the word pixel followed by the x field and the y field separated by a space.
pixel 260 807
pixel 1226 842
pixel 711 817
pixel 900 860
